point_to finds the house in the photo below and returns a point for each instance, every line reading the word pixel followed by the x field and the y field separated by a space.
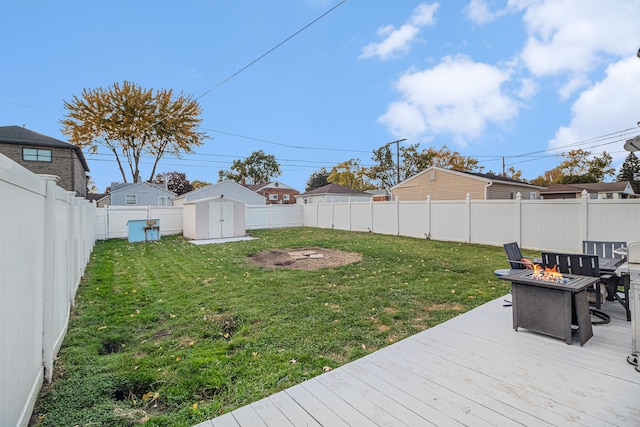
pixel 597 190
pixel 275 193
pixel 43 154
pixel 332 193
pixel 229 189
pixel 140 194
pixel 383 195
pixel 446 184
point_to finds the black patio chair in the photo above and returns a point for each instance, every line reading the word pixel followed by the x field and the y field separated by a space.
pixel 515 258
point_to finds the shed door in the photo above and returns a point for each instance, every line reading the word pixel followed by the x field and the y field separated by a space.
pixel 221 216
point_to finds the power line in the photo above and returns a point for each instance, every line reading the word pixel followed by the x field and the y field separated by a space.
pixel 300 147
pixel 270 50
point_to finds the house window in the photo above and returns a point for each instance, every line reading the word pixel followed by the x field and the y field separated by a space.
pixel 533 196
pixel 273 197
pixel 162 201
pixel 36 155
pixel 286 197
pixel 130 199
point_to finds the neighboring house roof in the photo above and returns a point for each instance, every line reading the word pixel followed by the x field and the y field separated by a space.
pixel 486 177
pixel 272 184
pixel 596 187
pixel 193 195
pixel 131 186
pixel 95 196
pixel 20 135
pixel 334 189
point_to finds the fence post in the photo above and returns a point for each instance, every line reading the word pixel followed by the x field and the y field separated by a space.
pixel 518 202
pixel 468 200
pixel 428 233
pixel 333 213
pixel 398 215
pixel 349 213
pixel 48 274
pixel 584 217
pixel 371 214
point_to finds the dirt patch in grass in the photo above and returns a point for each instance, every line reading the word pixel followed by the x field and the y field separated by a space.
pixel 303 258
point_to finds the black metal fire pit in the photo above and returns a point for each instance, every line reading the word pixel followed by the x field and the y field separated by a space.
pixel 552 307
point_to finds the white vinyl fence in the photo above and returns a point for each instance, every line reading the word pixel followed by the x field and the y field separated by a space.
pixel 551 225
pixel 47 237
pixel 111 221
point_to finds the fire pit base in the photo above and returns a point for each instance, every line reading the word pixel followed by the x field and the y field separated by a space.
pixel 552 308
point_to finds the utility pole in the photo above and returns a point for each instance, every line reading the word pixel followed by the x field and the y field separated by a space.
pixel 397 156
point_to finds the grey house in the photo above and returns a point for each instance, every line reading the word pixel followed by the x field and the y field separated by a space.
pixel 43 154
pixel 140 194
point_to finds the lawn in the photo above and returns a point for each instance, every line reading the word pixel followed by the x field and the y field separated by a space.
pixel 171 333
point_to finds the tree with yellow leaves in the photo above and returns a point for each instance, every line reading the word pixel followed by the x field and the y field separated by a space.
pixel 133 122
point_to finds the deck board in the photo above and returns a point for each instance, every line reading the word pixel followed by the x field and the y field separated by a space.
pixel 472 370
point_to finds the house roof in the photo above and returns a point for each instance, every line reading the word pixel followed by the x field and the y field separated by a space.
pixel 131 185
pixel 595 187
pixel 271 184
pixel 334 189
pixel 486 177
pixel 20 135
pixel 202 189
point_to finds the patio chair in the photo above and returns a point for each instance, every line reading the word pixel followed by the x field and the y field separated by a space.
pixel 616 289
pixel 515 258
pixel 603 249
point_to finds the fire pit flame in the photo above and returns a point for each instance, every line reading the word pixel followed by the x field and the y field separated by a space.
pixel 548 274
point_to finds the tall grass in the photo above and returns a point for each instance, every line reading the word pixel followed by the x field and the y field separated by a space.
pixel 171 333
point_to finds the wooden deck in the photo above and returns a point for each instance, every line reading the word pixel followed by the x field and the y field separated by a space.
pixel 472 370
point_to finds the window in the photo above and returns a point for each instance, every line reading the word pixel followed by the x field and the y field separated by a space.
pixel 532 195
pixel 36 155
pixel 286 197
pixel 130 199
pixel 273 197
pixel 608 196
pixel 162 201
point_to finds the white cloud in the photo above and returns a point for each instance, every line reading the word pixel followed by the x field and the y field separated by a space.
pixel 446 100
pixel 572 36
pixel 528 89
pixel 574 84
pixel 479 13
pixel 607 107
pixel 398 40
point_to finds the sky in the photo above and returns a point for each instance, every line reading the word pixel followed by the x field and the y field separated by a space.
pixel 318 82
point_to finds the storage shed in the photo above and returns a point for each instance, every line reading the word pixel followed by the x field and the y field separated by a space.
pixel 214 218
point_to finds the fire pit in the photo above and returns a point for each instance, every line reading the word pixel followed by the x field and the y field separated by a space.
pixel 551 303
pixel 548 274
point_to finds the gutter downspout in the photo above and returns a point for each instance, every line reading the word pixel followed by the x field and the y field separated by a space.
pixel 486 187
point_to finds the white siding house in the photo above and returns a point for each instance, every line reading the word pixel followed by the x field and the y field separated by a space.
pixel 140 194
pixel 229 189
pixel 332 193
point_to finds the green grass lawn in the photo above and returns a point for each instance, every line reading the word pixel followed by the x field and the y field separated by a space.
pixel 170 333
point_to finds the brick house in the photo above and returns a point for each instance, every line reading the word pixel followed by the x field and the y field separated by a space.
pixel 276 193
pixel 43 154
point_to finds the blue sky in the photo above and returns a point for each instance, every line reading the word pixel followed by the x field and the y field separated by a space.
pixel 519 79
